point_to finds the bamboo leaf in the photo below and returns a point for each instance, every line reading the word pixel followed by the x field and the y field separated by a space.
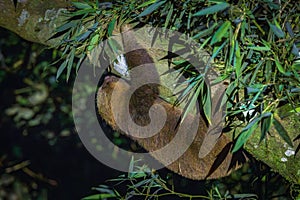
pixel 93 42
pixel 237 60
pixel 70 63
pixel 151 8
pixel 83 36
pixel 131 166
pixel 99 196
pixel 243 137
pixel 220 33
pixel 206 101
pixel 279 66
pixel 205 32
pixel 66 26
pixel 81 5
pixel 61 69
pixel 266 123
pixel 282 132
pixel 212 9
pixel 192 102
pixel 277 29
pixel 169 16
pixel 259 48
pixel 111 26
pixel 146 3
pixel 82 12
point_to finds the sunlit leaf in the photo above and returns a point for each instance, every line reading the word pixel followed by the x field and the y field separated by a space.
pixel 93 42
pixel 279 66
pixel 237 60
pixel 212 9
pixel 259 48
pixel 146 3
pixel 111 26
pixel 220 33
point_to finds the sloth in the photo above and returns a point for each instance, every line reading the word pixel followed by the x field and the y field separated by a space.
pixel 217 163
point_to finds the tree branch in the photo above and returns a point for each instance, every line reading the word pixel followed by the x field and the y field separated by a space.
pixel 33 20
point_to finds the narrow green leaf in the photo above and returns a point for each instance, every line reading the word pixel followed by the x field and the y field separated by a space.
pixel 259 48
pixel 82 12
pixel 146 4
pixel 277 29
pixel 169 16
pixel 192 102
pixel 212 9
pixel 254 74
pixel 243 137
pixel 245 196
pixel 266 123
pixel 279 66
pixel 257 95
pixel 188 89
pixel 220 33
pixel 61 69
pixel 130 169
pixel 252 122
pixel 93 42
pixel 205 32
pixel 282 132
pixel 81 5
pixel 99 196
pixel 70 63
pixel 289 29
pixel 83 36
pixel 206 101
pixel 189 21
pixel 66 26
pixel 152 8
pixel 111 26
pixel 205 43
pixel 81 58
pixel 217 50
pixel 237 60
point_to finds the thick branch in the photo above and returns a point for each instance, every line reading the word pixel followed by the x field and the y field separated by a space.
pixel 33 20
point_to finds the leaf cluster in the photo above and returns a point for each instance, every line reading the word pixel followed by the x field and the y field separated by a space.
pixel 253 45
pixel 143 183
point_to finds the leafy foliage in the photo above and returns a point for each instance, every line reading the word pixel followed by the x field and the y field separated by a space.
pixel 142 182
pixel 254 45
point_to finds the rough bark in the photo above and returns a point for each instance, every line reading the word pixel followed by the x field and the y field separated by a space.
pixel 33 20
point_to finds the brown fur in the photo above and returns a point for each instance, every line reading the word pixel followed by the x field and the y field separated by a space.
pixel 189 164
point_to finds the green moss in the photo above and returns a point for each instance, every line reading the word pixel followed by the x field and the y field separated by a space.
pixel 275 152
